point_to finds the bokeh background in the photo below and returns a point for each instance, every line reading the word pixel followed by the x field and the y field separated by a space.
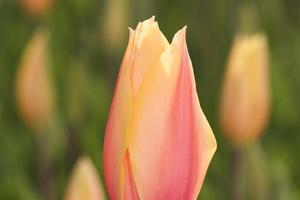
pixel 87 39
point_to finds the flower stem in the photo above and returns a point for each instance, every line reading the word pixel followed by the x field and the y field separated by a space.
pixel 45 172
pixel 236 175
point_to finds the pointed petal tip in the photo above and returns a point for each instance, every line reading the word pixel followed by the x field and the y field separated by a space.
pixel 180 35
pixel 149 21
pixel 131 34
pixel 130 30
pixel 183 30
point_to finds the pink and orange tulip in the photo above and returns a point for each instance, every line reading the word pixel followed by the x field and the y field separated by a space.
pixel 158 143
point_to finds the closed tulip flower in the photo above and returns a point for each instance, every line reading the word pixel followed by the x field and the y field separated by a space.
pixel 84 182
pixel 245 98
pixel 34 92
pixel 158 143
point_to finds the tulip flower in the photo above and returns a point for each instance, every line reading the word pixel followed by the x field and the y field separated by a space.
pixel 158 143
pixel 37 8
pixel 84 182
pixel 34 92
pixel 245 98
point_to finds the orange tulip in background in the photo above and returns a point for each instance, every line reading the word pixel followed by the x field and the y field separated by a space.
pixel 34 92
pixel 158 143
pixel 245 98
pixel 37 8
pixel 85 182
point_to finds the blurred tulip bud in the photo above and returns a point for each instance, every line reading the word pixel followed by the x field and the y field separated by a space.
pixel 115 23
pixel 245 99
pixel 158 143
pixel 84 182
pixel 37 8
pixel 34 92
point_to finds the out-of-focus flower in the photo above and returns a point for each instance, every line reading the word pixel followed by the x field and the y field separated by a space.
pixel 114 24
pixel 158 143
pixel 34 92
pixel 84 182
pixel 37 7
pixel 245 99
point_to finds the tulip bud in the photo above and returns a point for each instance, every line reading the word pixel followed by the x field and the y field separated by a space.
pixel 245 99
pixel 158 143
pixel 34 92
pixel 37 8
pixel 84 182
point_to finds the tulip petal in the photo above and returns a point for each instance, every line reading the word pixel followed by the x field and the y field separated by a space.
pixel 171 143
pixel 130 191
pixel 146 44
pixel 115 143
pixel 149 44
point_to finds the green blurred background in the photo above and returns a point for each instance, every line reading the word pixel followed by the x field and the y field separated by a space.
pixel 87 41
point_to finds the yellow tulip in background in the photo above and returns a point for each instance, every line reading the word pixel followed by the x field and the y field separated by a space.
pixel 34 92
pixel 245 99
pixel 84 182
pixel 244 112
pixel 158 143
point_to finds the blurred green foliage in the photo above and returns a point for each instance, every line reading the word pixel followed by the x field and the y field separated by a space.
pixel 84 70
